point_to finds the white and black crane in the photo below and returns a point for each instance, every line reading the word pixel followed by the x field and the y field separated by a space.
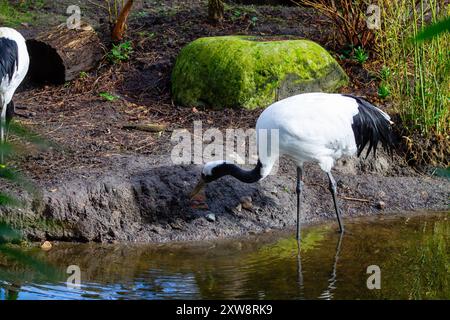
pixel 14 63
pixel 312 127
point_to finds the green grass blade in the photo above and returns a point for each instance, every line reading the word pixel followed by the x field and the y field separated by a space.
pixel 7 200
pixel 433 30
pixel 28 261
pixel 24 133
pixel 15 177
pixel 9 234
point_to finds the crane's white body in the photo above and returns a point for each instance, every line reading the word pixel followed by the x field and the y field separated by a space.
pixel 9 86
pixel 312 127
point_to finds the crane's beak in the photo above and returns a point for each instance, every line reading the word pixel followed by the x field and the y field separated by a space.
pixel 198 188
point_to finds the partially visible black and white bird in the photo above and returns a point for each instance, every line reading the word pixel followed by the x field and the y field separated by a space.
pixel 14 63
pixel 311 127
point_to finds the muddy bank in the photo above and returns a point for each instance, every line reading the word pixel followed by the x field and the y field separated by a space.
pixel 142 199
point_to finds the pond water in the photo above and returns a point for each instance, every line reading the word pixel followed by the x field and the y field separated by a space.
pixel 412 252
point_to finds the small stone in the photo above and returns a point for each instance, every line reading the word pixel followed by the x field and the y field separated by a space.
pixel 381 194
pixel 211 217
pixel 246 202
pixel 46 246
pixel 176 226
pixel 156 230
pixel 239 207
pixel 424 195
pixel 381 205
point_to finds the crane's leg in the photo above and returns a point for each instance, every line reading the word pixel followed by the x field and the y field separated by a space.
pixel 2 128
pixel 333 190
pixel 300 273
pixel 298 190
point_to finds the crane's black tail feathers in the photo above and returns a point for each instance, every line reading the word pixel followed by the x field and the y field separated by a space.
pixel 10 113
pixel 9 58
pixel 371 126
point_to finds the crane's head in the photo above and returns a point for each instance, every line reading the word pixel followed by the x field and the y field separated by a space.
pixel 211 172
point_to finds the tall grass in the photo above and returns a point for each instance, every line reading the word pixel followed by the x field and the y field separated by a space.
pixel 419 71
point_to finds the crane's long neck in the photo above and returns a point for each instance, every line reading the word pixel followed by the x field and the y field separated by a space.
pixel 247 176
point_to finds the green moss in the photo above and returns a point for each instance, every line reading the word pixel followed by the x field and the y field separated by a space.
pixel 240 71
pixel 10 16
pixel 19 224
pixel 29 12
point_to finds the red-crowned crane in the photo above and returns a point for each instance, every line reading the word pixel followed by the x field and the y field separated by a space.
pixel 14 63
pixel 312 127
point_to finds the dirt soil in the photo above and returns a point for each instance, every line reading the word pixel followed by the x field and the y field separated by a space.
pixel 101 182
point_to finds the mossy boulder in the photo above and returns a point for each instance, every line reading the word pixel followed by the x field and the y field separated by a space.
pixel 242 71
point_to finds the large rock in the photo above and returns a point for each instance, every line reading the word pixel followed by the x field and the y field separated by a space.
pixel 242 71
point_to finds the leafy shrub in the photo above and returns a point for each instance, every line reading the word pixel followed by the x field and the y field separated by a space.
pixel 120 52
pixel 360 55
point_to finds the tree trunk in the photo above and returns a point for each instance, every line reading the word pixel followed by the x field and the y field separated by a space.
pixel 60 54
pixel 215 10
pixel 120 27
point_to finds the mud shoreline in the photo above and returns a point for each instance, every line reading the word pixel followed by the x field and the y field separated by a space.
pixel 142 199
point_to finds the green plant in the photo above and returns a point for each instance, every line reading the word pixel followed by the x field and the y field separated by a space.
pixel 236 14
pixel 13 177
pixel 360 55
pixel 9 234
pixel 385 73
pixel 83 75
pixel 433 30
pixel 10 174
pixel 383 91
pixel 420 73
pixel 108 96
pixel 120 52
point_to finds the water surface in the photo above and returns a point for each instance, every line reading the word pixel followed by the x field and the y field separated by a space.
pixel 412 252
